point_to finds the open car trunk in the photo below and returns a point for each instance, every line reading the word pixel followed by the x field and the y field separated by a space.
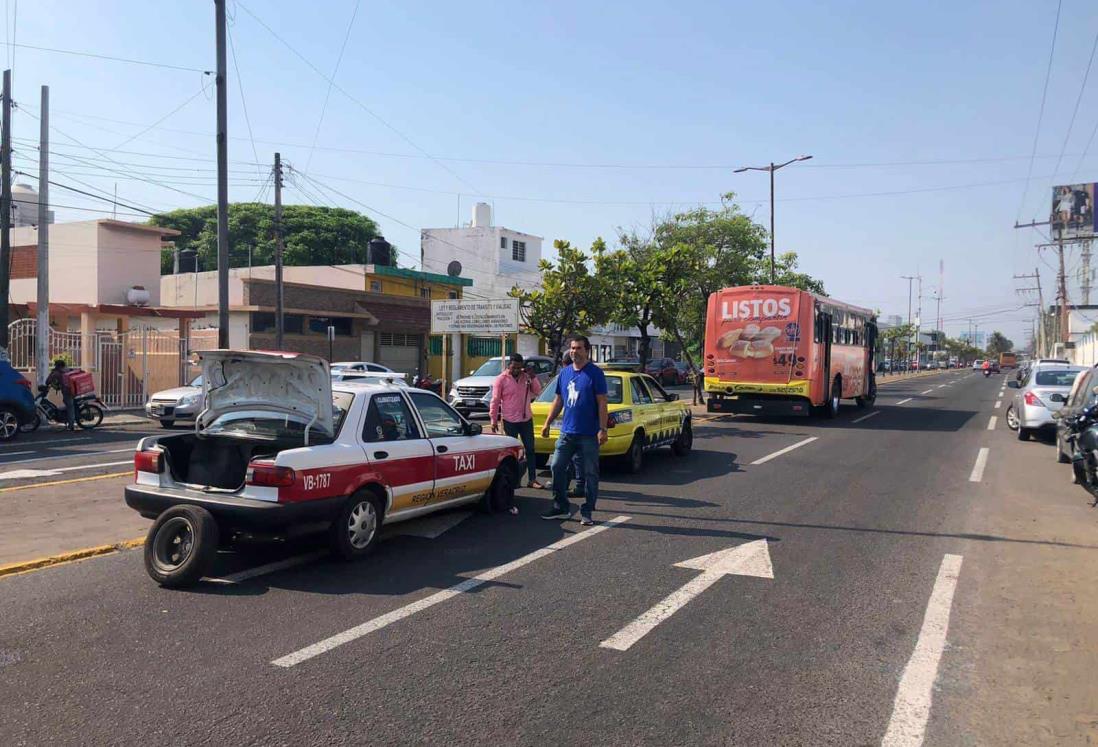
pixel 219 462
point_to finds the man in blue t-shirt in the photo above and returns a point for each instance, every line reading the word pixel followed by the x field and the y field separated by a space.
pixel 581 392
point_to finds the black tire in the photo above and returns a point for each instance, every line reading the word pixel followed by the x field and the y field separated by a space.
pixel 500 495
pixel 1011 418
pixel 1023 433
pixel 31 425
pixel 831 409
pixel 682 445
pixel 167 424
pixel 9 424
pixel 351 535
pixel 89 416
pixel 633 460
pixel 180 546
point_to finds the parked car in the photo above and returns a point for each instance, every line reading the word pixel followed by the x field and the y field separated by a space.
pixel 16 401
pixel 348 375
pixel 977 364
pixel 1042 393
pixel 342 366
pixel 1082 396
pixel 642 416
pixel 181 404
pixel 664 371
pixel 281 452
pixel 473 394
pixel 685 371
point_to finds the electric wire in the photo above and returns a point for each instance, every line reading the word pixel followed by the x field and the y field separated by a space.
pixel 1041 111
pixel 112 58
pixel 243 100
pixel 328 93
pixel 1075 110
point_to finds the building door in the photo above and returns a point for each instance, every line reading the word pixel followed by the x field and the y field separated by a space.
pixel 399 351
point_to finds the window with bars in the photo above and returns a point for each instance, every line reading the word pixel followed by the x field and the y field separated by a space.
pixel 486 347
pixel 502 242
pixel 398 339
pixel 518 251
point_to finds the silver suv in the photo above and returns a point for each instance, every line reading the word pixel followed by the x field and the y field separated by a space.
pixel 473 394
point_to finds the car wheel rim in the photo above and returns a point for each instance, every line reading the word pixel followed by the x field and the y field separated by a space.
pixel 174 544
pixel 9 424
pixel 1012 418
pixel 362 524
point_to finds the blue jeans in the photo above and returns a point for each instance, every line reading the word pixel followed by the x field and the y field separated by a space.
pixel 568 446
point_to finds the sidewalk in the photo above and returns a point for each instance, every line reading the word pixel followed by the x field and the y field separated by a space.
pixel 126 417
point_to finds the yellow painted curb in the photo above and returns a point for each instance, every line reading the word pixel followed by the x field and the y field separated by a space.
pixel 26 566
pixel 66 482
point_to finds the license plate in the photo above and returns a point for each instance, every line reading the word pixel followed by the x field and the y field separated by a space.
pixel 157 410
pixel 470 403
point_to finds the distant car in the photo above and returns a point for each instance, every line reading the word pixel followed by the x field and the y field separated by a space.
pixel 1042 393
pixel 473 394
pixel 182 404
pixel 977 364
pixel 994 366
pixel 16 401
pixel 664 371
pixel 685 371
pixel 370 377
pixel 342 366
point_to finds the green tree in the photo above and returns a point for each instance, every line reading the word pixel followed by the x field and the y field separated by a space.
pixel 571 298
pixel 785 273
pixel 998 343
pixel 636 280
pixel 313 235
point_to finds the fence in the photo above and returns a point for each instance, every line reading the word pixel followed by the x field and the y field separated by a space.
pixel 1085 352
pixel 128 366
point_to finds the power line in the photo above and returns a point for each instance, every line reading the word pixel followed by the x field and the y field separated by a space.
pixel 1041 112
pixel 86 194
pixel 328 93
pixel 1078 100
pixel 243 101
pixel 174 111
pixel 99 56
pixel 354 99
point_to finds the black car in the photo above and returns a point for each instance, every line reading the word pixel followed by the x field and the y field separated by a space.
pixel 1082 396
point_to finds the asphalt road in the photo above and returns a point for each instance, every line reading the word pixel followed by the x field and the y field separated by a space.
pixel 896 565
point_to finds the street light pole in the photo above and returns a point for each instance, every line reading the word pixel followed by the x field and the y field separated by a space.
pixel 771 168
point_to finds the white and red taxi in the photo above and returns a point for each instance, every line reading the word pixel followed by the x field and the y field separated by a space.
pixel 281 451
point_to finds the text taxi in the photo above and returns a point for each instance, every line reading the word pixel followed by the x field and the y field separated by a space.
pixel 641 414
pixel 280 450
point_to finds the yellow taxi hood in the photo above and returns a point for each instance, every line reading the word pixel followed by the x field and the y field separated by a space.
pixel 289 383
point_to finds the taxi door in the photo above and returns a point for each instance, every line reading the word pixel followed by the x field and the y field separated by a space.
pixel 461 471
pixel 668 412
pixel 398 451
pixel 645 413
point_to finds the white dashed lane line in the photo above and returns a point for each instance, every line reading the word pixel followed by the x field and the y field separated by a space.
pixel 866 417
pixel 991 423
pixel 928 391
pixel 978 468
pixel 902 401
pixel 998 404
pixel 786 450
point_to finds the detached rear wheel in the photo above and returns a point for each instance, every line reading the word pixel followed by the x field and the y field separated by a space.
pixel 355 531
pixel 501 493
pixel 180 546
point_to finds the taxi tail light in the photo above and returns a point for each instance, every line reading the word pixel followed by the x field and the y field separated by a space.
pixel 619 417
pixel 1033 400
pixel 269 476
pixel 151 461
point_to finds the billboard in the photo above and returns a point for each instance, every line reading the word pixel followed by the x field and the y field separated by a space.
pixel 475 317
pixel 1073 211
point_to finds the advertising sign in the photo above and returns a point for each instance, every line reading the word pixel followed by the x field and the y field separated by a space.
pixel 475 317
pixel 757 337
pixel 1073 211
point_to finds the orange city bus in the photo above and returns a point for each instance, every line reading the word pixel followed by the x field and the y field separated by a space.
pixel 770 349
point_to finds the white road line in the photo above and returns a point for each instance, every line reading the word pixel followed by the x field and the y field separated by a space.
pixel 902 401
pixel 14 453
pixel 262 570
pixel 942 386
pixel 408 610
pixel 866 417
pixel 786 450
pixel 998 404
pixel 978 468
pixel 11 475
pixel 928 391
pixel 991 423
pixel 911 709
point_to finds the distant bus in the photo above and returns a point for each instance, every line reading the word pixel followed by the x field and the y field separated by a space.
pixel 770 349
pixel 1008 360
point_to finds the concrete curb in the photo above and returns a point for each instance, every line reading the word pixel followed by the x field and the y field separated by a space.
pixel 25 566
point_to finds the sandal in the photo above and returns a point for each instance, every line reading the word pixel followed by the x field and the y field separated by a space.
pixel 513 510
pixel 536 485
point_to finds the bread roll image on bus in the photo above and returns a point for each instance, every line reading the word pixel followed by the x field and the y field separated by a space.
pixel 775 350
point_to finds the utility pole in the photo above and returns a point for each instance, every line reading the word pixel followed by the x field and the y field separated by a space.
pixel 222 183
pixel 5 214
pixel 280 321
pixel 42 338
pixel 1036 276
pixel 1064 332
pixel 1085 280
pixel 918 316
pixel 772 168
pixel 908 278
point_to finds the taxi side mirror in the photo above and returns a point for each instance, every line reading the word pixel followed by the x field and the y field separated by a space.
pixel 473 429
pixel 672 397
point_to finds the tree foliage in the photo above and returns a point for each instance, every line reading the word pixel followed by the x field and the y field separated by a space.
pixel 571 298
pixel 998 343
pixel 313 235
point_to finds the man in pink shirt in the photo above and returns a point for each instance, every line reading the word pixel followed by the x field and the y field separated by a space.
pixel 512 393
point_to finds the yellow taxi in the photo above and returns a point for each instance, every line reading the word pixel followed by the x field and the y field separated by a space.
pixel 642 416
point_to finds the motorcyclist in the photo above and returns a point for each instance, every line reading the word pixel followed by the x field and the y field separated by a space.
pixel 987 368
pixel 57 380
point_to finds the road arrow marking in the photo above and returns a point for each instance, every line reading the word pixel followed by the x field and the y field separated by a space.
pixel 751 559
pixel 431 527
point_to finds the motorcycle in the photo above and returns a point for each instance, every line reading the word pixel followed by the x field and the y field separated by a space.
pixel 431 385
pixel 987 373
pixel 89 411
pixel 1083 438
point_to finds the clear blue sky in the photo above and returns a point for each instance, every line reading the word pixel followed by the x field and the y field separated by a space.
pixel 709 84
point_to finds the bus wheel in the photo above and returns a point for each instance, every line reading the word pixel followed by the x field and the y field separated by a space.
pixel 832 406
